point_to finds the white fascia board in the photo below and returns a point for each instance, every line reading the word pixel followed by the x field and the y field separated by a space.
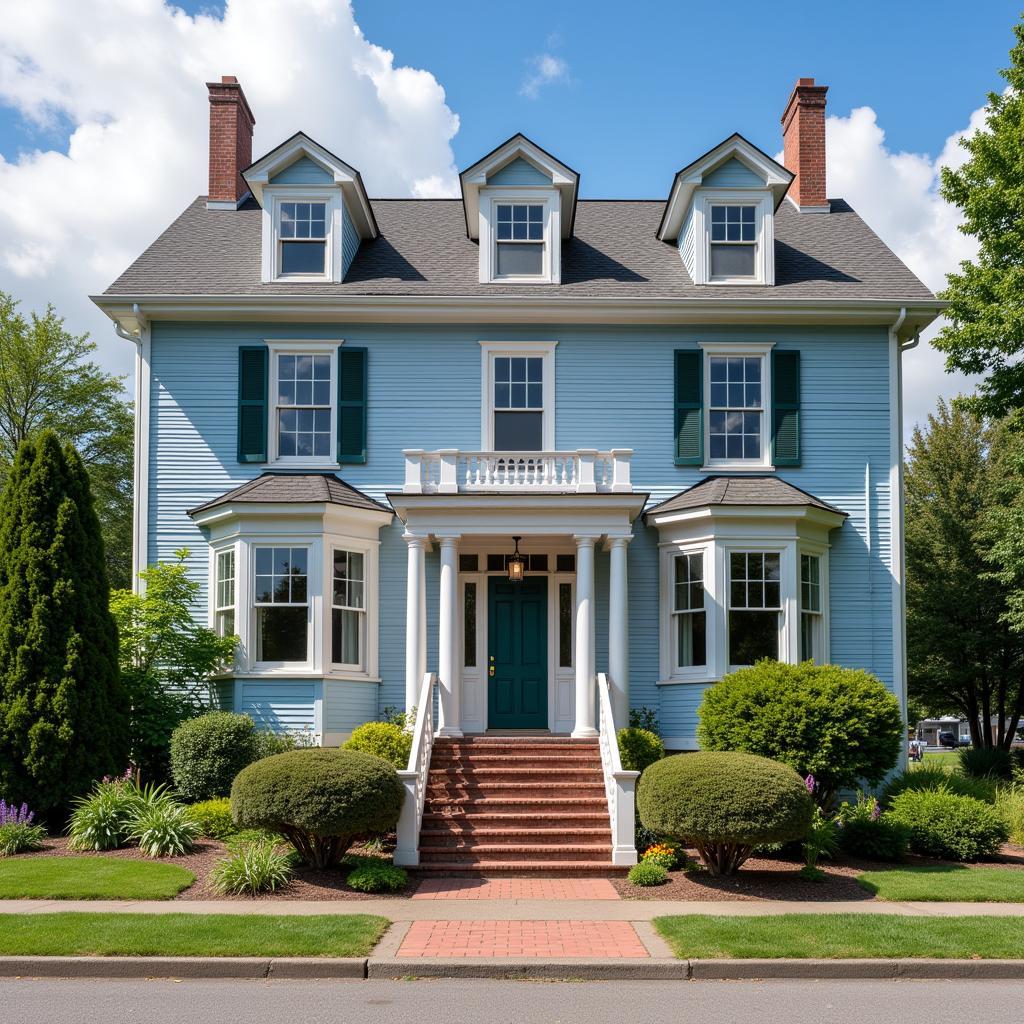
pixel 244 514
pixel 521 309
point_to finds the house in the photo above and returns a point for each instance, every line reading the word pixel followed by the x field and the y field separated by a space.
pixel 545 458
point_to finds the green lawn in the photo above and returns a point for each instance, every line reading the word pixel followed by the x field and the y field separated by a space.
pixel 72 934
pixel 90 878
pixel 946 883
pixel 842 936
pixel 948 759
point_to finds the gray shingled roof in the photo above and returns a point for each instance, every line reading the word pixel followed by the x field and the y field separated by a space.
pixel 297 489
pixel 741 490
pixel 423 250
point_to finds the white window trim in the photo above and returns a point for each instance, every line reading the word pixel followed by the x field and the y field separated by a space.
pixel 273 196
pixel 764 223
pixel 761 350
pixel 489 351
pixel 368 549
pixel 215 551
pixel 314 588
pixel 550 199
pixel 670 668
pixel 789 592
pixel 318 347
pixel 820 551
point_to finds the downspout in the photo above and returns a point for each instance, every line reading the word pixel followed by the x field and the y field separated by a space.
pixel 140 471
pixel 898 570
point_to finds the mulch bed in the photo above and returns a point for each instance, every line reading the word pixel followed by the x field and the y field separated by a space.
pixel 306 883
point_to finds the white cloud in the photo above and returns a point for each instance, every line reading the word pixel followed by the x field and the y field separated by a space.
pixel 128 76
pixel 897 194
pixel 545 69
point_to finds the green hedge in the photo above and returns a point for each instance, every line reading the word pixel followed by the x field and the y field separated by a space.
pixel 382 739
pixel 639 748
pixel 945 825
pixel 209 751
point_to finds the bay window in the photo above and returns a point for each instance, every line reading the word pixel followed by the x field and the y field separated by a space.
pixel 755 606
pixel 281 601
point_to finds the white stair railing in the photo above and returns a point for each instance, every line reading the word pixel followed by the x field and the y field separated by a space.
pixel 414 778
pixel 619 785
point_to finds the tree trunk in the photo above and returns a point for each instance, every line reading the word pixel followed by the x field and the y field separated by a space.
pixel 723 858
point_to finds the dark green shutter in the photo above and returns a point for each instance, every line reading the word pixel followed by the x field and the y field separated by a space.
pixel 786 408
pixel 351 404
pixel 689 419
pixel 252 403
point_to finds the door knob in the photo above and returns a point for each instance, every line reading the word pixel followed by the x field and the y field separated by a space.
pixel 490 671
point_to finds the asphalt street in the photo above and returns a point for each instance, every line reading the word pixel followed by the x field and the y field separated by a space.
pixel 26 1001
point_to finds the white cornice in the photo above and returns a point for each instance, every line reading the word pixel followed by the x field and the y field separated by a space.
pixel 518 309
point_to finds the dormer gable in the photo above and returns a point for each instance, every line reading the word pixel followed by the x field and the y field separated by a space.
pixel 720 212
pixel 315 211
pixel 519 203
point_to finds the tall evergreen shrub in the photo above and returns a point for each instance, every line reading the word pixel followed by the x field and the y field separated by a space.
pixel 63 716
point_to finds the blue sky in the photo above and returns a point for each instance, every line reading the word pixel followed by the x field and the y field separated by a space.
pixel 103 111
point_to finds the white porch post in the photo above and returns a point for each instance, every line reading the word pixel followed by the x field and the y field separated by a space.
pixel 585 679
pixel 415 619
pixel 447 647
pixel 618 631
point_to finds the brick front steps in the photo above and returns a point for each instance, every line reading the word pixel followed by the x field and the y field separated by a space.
pixel 530 805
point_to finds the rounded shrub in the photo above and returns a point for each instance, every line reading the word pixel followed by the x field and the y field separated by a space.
pixel 952 827
pixel 840 725
pixel 927 777
pixel 209 751
pixel 986 763
pixel 212 817
pixel 724 804
pixel 382 739
pixel 639 748
pixel 320 800
pixel 647 873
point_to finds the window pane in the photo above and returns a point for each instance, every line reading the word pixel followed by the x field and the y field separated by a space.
pixel 469 563
pixel 717 214
pixel 522 260
pixel 808 637
pixel 565 615
pixel 518 431
pixel 503 369
pixel 691 639
pixel 519 214
pixel 346 636
pixel 534 370
pixel 719 369
pixel 732 260
pixel 502 395
pixel 226 623
pixel 753 636
pixel 303 257
pixel 281 634
pixel 565 563
pixel 469 624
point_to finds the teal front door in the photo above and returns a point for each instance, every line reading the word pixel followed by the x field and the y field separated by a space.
pixel 517 655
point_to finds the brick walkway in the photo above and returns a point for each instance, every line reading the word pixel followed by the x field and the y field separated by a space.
pixel 582 939
pixel 515 889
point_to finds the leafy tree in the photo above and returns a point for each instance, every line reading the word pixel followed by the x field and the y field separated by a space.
pixel 963 656
pixel 166 659
pixel 984 332
pixel 62 707
pixel 48 382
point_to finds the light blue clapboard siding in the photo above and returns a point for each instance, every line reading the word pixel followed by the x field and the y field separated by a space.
pixel 349 240
pixel 688 243
pixel 733 174
pixel 280 705
pixel 303 172
pixel 519 172
pixel 348 704
pixel 613 389
pixel 224 694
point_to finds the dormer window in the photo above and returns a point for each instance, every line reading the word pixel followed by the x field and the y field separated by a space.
pixel 302 237
pixel 519 239
pixel 733 241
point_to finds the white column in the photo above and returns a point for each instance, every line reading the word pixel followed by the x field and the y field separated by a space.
pixel 415 620
pixel 447 645
pixel 585 680
pixel 618 631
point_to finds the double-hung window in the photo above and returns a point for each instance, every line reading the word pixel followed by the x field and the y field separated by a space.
pixel 518 240
pixel 733 241
pixel 303 405
pixel 224 604
pixel 518 403
pixel 689 616
pixel 348 608
pixel 281 602
pixel 302 239
pixel 755 606
pixel 810 608
pixel 736 408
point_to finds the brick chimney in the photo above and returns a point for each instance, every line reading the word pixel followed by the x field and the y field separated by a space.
pixel 803 136
pixel 231 124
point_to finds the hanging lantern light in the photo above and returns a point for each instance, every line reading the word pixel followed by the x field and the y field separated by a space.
pixel 516 565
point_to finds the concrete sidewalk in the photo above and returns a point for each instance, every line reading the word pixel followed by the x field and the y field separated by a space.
pixel 513 910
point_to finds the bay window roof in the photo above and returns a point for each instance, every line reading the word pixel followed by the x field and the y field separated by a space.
pixel 743 491
pixel 294 489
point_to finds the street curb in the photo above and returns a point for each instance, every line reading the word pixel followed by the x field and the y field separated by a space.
pixel 228 967
pixel 647 969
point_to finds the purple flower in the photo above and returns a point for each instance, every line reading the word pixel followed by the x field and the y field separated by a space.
pixel 11 815
pixel 810 784
pixel 876 810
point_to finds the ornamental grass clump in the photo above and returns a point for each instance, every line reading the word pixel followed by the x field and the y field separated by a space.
pixel 102 819
pixel 163 829
pixel 320 800
pixel 18 831
pixel 252 868
pixel 724 804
